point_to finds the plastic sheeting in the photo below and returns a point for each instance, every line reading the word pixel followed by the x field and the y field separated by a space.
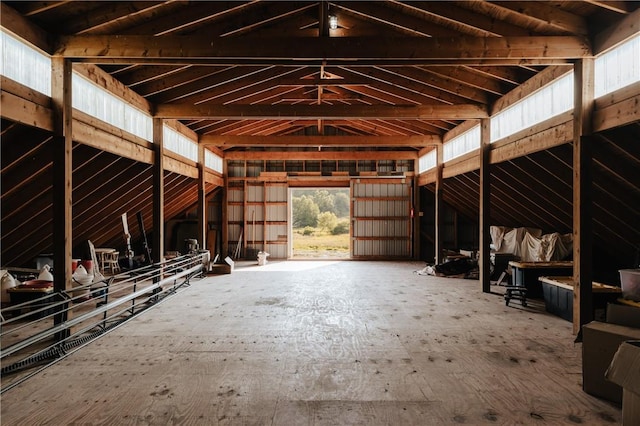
pixel 530 245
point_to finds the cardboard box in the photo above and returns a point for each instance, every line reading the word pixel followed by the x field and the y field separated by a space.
pixel 222 268
pixel 600 341
pixel 623 315
pixel 625 371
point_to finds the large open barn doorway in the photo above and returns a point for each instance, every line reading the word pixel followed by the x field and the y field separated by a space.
pixel 320 223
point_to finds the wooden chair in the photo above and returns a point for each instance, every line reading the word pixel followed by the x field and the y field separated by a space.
pixel 111 262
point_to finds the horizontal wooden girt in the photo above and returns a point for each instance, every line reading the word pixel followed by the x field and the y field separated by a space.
pixel 303 141
pixel 287 112
pixel 341 50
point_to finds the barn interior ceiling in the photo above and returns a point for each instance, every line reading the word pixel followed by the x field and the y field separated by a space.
pixel 295 76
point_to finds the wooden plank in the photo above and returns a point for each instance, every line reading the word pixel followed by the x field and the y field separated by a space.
pixel 304 141
pixel 177 166
pixel 536 128
pixel 25 111
pixel 485 206
pixel 96 133
pixel 620 114
pixel 617 96
pixel 24 92
pixel 582 193
pixel 288 112
pixel 214 178
pixel 467 163
pixel 427 177
pixel 411 49
pixel 543 140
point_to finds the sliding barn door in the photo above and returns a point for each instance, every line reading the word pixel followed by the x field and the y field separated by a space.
pixel 381 224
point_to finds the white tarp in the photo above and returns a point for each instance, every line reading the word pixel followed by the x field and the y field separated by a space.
pixel 530 245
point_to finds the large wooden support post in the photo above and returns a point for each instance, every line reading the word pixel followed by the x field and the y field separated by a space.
pixel 224 215
pixel 202 200
pixel 439 228
pixel 158 190
pixel 485 216
pixel 61 73
pixel 582 186
pixel 416 215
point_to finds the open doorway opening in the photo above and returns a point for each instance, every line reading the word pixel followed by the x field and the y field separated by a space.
pixel 320 223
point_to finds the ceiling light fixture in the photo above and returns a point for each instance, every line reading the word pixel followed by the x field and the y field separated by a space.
pixel 333 22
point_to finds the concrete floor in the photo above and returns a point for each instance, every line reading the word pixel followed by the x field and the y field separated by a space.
pixel 321 343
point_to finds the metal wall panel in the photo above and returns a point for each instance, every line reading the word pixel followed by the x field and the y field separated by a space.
pixel 276 232
pixel 277 251
pixel 277 212
pixel 277 192
pixel 235 195
pixel 381 222
pixel 255 193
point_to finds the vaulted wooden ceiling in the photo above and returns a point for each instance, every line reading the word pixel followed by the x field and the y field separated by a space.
pixel 236 68
pixel 258 75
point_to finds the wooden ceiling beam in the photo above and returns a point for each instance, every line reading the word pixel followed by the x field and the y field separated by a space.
pixel 320 155
pixel 303 141
pixel 288 112
pixel 346 49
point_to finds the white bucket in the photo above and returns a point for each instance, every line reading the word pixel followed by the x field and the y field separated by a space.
pixel 262 258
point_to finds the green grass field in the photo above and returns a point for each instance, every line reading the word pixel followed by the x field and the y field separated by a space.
pixel 320 244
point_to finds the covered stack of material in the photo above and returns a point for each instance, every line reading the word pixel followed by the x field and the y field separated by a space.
pixel 530 245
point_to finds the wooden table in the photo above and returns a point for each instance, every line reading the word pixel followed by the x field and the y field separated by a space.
pixel 558 296
pixel 527 274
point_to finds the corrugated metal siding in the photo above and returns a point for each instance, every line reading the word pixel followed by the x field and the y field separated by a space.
pixel 277 220
pixel 381 221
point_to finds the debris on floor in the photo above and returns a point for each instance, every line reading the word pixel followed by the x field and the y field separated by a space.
pixel 464 267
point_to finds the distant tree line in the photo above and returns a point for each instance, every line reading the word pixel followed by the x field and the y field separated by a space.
pixel 328 210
